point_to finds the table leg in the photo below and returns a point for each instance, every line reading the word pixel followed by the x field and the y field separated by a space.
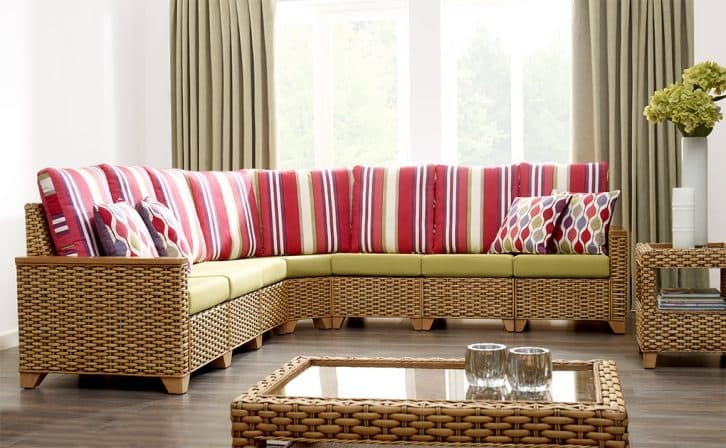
pixel 649 360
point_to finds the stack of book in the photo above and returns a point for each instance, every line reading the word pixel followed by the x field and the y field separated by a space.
pixel 684 299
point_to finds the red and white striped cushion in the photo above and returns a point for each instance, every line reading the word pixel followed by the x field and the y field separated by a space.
pixel 128 183
pixel 227 212
pixel 393 209
pixel 541 179
pixel 68 197
pixel 304 212
pixel 471 203
pixel 172 189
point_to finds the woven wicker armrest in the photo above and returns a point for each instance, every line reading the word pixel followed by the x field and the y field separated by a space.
pixel 103 314
pixel 619 252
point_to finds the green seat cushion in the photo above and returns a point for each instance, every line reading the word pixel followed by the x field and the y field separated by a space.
pixel 206 292
pixel 308 265
pixel 243 277
pixel 387 265
pixel 561 266
pixel 467 265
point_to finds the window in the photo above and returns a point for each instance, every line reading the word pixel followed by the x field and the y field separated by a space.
pixel 385 82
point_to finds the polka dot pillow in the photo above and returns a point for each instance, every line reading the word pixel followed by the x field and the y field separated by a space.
pixel 529 225
pixel 122 232
pixel 585 224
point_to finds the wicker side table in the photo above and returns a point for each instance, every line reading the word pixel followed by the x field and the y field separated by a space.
pixel 676 331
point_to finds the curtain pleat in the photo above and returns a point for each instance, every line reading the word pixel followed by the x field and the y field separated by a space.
pixel 222 80
pixel 624 50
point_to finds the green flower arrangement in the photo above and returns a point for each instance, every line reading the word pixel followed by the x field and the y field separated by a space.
pixel 691 103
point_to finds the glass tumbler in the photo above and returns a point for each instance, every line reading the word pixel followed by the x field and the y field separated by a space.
pixel 530 369
pixel 486 364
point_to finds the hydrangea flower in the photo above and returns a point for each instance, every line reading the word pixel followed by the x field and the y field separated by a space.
pixel 688 103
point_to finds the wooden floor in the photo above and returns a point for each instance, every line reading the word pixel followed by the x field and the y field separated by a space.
pixel 681 403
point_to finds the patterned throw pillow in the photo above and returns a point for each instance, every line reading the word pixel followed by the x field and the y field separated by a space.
pixel 529 225
pixel 68 196
pixel 227 213
pixel 304 212
pixel 585 224
pixel 165 230
pixel 471 203
pixel 172 189
pixel 540 179
pixel 393 209
pixel 122 232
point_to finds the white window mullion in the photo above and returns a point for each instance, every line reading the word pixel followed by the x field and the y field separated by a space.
pixel 323 92
pixel 425 81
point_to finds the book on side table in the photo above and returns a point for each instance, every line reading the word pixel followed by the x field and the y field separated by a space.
pixel 687 299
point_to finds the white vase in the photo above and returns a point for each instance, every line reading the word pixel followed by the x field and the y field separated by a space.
pixel 693 175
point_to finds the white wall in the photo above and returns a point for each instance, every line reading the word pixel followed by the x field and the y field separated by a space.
pixel 709 45
pixel 82 82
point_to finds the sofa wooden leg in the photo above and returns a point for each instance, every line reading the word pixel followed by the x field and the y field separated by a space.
pixel 617 326
pixel 31 380
pixel 508 324
pixel 223 361
pixel 286 328
pixel 649 360
pixel 421 324
pixel 254 344
pixel 520 325
pixel 337 322
pixel 176 385
pixel 323 323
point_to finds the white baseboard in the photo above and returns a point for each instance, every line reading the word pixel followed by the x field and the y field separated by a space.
pixel 9 339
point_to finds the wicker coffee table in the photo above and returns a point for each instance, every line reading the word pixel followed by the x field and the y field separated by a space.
pixel 424 402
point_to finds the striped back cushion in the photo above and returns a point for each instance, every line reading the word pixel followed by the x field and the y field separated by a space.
pixel 172 189
pixel 393 209
pixel 68 197
pixel 227 212
pixel 541 179
pixel 304 212
pixel 471 203
pixel 129 183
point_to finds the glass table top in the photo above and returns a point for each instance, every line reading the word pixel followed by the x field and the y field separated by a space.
pixel 569 384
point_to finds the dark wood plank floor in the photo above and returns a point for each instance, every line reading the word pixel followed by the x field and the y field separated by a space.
pixel 681 403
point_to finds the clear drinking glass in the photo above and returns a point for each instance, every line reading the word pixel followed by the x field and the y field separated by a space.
pixel 530 369
pixel 486 364
pixel 488 393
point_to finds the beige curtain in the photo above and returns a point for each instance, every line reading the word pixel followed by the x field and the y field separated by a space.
pixel 624 50
pixel 222 84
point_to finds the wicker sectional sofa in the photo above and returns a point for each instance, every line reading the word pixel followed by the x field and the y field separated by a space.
pixel 159 317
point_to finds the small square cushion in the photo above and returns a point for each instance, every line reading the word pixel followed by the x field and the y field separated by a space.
pixel 122 232
pixel 471 203
pixel 585 224
pixel 172 189
pixel 529 225
pixel 540 179
pixel 393 209
pixel 164 228
pixel 68 197
pixel 227 213
pixel 304 212
pixel 128 183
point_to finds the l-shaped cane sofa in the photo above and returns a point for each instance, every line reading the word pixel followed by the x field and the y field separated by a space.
pixel 321 245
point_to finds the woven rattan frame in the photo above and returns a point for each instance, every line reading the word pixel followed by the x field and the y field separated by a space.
pixel 309 297
pixel 272 302
pixel 257 415
pixel 578 298
pixel 103 315
pixel 478 298
pixel 377 296
pixel 676 331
